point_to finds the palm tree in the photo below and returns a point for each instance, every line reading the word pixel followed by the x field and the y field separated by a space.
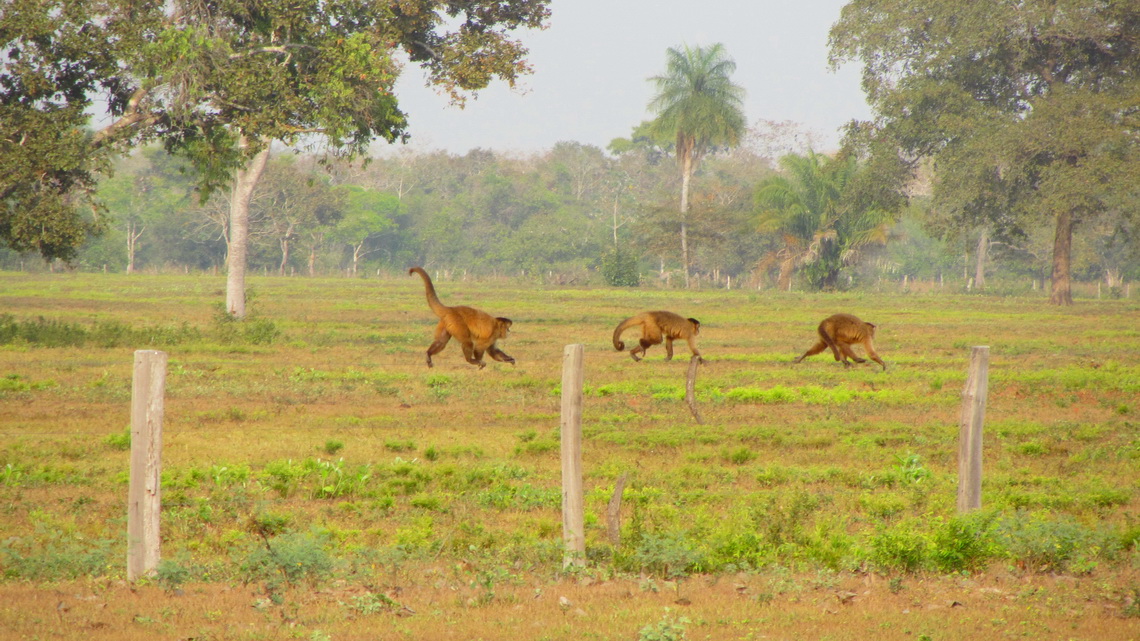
pixel 821 217
pixel 699 106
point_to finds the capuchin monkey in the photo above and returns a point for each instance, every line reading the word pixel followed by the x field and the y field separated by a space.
pixel 475 330
pixel 658 326
pixel 840 332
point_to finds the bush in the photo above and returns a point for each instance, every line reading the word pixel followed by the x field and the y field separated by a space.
pixel 903 547
pixel 964 543
pixel 619 269
pixel 293 557
pixel 667 556
pixel 1036 542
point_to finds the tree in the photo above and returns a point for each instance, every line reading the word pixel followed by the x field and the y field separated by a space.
pixel 367 213
pixel 296 202
pixel 140 198
pixel 56 63
pixel 218 82
pixel 1028 109
pixel 822 216
pixel 700 107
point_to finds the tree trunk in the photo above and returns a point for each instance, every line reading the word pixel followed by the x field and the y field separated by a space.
pixel 980 259
pixel 245 179
pixel 686 175
pixel 131 239
pixel 285 249
pixel 1061 292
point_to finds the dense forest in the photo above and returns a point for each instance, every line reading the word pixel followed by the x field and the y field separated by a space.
pixel 575 214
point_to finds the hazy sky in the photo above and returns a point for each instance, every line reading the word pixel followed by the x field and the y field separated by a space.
pixel 592 63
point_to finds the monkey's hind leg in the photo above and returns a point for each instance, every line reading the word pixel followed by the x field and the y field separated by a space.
pixel 847 351
pixel 473 356
pixel 641 347
pixel 813 350
pixel 441 338
pixel 668 349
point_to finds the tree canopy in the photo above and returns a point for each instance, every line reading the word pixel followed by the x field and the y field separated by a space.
pixel 1030 110
pixel 200 75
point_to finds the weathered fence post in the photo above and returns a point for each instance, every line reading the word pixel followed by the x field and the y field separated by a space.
pixel 143 501
pixel 573 497
pixel 970 431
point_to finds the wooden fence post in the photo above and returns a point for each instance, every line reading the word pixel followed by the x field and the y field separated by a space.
pixel 573 498
pixel 143 501
pixel 970 431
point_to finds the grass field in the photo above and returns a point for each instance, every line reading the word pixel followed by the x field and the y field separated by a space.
pixel 320 482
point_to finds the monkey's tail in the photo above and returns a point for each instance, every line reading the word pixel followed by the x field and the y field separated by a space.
pixel 622 326
pixel 429 290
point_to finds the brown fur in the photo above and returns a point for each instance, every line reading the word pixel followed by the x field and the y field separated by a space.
pixel 840 332
pixel 656 327
pixel 477 331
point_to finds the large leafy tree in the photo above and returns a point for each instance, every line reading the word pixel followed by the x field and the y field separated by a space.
pixel 1030 110
pixel 219 81
pixel 819 208
pixel 699 107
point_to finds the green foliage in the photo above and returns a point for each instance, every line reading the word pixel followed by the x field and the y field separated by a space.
pixel 668 556
pixel 1042 543
pixel 43 332
pixel 1021 131
pixel 619 269
pixel 823 214
pixel 964 542
pixel 669 628
pixel 292 557
pixel 170 574
pixel 119 441
pixel 903 547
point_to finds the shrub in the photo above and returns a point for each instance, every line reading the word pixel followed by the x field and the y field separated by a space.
pixel 668 556
pixel 619 269
pixel 171 574
pixel 902 547
pixel 669 628
pixel 1035 541
pixel 293 557
pixel 120 440
pixel 964 543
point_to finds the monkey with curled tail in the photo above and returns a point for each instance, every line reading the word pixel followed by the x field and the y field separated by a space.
pixel 657 327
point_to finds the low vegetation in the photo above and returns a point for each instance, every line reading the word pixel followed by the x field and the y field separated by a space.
pixel 311 447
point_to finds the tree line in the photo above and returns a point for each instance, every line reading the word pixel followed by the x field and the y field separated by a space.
pixel 576 214
pixel 1002 132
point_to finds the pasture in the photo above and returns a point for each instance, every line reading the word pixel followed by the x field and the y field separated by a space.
pixel 320 482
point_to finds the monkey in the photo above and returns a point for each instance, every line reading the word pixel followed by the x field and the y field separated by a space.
pixel 477 331
pixel 840 332
pixel 658 326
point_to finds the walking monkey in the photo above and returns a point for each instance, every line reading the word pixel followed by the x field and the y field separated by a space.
pixel 840 332
pixel 475 330
pixel 658 326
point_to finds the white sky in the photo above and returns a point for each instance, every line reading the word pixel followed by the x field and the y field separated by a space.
pixel 592 63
